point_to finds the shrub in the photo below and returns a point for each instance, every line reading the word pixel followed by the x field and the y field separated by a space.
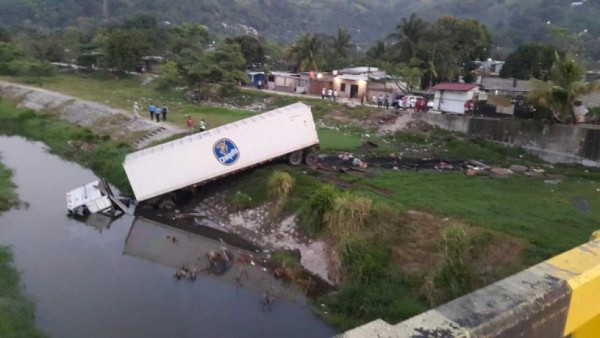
pixel 348 213
pixel 241 200
pixel 363 262
pixel 279 185
pixel 312 213
pixel 228 90
pixel 454 277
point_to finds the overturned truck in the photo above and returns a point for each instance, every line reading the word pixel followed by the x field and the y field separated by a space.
pixel 156 173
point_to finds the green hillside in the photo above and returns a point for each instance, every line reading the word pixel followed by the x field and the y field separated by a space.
pixel 513 22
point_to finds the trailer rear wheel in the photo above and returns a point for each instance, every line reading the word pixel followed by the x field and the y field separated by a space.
pixel 311 158
pixel 295 158
pixel 166 204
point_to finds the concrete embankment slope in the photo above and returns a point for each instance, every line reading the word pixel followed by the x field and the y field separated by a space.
pixel 117 123
pixel 556 298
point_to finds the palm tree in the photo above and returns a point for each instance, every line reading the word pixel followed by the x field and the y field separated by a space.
pixel 306 51
pixel 341 44
pixel 408 35
pixel 379 55
pixel 560 93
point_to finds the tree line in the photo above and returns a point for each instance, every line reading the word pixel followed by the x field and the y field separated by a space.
pixel 421 53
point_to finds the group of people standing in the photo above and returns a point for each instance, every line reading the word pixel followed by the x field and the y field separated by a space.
pixel 382 101
pixel 156 112
pixel 190 125
pixel 330 94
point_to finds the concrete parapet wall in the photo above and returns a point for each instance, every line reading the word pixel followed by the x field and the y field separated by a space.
pixel 556 298
pixel 553 143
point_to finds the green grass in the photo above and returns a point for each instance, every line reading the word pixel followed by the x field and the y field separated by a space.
pixel 332 140
pixel 17 315
pixel 391 298
pixel 121 91
pixel 520 206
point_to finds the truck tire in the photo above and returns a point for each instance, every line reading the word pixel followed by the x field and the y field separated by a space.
pixel 166 204
pixel 311 158
pixel 295 158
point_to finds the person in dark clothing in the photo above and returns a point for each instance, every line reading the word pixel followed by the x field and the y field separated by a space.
pixel 157 114
pixel 164 111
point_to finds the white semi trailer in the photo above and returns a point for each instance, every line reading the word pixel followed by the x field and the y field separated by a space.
pixel 157 171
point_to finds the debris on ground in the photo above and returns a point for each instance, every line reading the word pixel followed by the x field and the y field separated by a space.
pixel 554 182
pixel 358 163
pixel 518 168
pixel 477 165
pixel 345 156
pixel 500 172
pixel 535 172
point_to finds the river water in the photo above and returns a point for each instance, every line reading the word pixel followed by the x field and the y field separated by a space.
pixel 84 283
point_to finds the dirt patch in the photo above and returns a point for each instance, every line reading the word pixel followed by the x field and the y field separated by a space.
pixel 339 116
pixel 491 255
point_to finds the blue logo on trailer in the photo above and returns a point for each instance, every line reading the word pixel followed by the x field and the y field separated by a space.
pixel 226 151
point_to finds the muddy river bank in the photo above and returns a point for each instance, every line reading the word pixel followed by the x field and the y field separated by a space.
pixel 99 281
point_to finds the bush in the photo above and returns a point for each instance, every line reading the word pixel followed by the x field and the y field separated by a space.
pixel 279 185
pixel 241 201
pixel 228 90
pixel 348 214
pixel 454 277
pixel 312 213
pixel 362 261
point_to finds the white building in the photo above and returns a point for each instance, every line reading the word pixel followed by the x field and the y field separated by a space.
pixel 451 97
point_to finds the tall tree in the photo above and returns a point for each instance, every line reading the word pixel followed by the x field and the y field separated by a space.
pixel 341 49
pixel 307 52
pixel 407 36
pixel 533 60
pixel 565 87
pixel 252 49
pixel 125 48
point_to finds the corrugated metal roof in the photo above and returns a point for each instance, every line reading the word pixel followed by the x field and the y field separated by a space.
pixel 455 86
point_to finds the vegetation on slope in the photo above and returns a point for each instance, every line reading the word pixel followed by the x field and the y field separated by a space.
pixel 17 317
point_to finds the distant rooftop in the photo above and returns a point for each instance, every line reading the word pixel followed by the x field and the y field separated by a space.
pixel 455 86
pixel 358 70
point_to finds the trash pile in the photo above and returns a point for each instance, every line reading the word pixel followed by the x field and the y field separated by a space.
pixel 357 162
pixel 476 168
pixel 219 262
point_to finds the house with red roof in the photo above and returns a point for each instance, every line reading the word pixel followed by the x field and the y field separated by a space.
pixel 454 97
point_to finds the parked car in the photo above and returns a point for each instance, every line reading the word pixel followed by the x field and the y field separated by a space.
pixel 397 101
pixel 407 102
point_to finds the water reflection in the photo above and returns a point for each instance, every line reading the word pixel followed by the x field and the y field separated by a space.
pixel 176 248
pixel 85 286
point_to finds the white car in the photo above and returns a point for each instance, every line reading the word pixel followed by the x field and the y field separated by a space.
pixel 408 101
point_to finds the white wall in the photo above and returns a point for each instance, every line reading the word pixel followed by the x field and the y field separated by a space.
pixel 451 101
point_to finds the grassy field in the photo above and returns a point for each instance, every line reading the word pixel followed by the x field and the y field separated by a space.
pixel 17 318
